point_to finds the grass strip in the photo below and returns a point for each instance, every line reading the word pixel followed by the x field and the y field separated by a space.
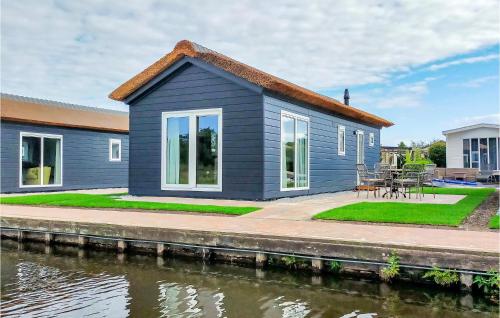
pixel 79 200
pixel 495 222
pixel 412 213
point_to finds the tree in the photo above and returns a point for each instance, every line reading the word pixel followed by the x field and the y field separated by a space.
pixel 402 145
pixel 437 153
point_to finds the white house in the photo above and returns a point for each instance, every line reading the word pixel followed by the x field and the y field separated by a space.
pixel 475 146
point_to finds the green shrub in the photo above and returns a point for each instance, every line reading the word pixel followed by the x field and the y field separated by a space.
pixel 335 266
pixel 392 269
pixel 407 156
pixel 437 153
pixel 489 284
pixel 442 277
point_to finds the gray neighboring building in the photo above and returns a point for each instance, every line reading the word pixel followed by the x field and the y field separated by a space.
pixel 52 146
pixel 204 125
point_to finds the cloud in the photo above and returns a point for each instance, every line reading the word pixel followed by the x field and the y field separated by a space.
pixel 480 119
pixel 468 60
pixel 79 51
pixel 408 95
pixel 476 82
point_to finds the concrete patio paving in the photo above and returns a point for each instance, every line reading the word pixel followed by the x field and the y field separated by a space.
pixel 442 239
pixel 300 208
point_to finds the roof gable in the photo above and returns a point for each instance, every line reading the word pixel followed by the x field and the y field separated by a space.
pixel 267 81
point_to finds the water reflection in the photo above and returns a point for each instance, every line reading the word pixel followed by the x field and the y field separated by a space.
pixel 48 291
pixel 66 282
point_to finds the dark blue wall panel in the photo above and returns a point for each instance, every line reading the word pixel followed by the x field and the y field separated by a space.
pixel 86 162
pixel 329 172
pixel 189 88
pixel 251 137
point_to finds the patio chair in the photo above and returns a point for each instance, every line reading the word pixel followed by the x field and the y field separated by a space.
pixel 411 176
pixel 428 175
pixel 367 180
pixel 384 174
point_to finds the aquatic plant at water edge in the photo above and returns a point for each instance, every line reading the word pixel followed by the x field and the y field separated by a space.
pixel 335 266
pixel 489 284
pixel 292 261
pixel 442 277
pixel 392 269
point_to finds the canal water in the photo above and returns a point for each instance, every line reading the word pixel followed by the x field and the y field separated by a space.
pixel 65 282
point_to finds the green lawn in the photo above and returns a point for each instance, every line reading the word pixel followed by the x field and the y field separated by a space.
pixel 111 201
pixel 412 213
pixel 495 222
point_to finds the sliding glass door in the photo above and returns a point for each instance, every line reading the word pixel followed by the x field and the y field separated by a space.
pixel 40 160
pixel 192 147
pixel 294 152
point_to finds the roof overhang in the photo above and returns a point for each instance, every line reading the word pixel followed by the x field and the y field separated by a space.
pixel 470 127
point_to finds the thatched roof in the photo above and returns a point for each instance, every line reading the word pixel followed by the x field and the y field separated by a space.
pixel 253 75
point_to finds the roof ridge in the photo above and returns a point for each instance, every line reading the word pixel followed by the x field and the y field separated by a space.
pixel 54 103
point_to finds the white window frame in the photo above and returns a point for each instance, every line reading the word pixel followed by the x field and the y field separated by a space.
pixel 340 128
pixel 111 142
pixel 191 186
pixel 371 139
pixel 41 136
pixel 302 118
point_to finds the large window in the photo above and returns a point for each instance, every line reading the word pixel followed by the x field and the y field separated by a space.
pixel 341 141
pixel 474 153
pixel 294 152
pixel 192 150
pixel 493 153
pixel 40 160
pixel 482 153
pixel 466 153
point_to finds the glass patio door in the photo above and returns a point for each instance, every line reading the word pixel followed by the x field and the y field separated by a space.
pixel 191 150
pixel 40 160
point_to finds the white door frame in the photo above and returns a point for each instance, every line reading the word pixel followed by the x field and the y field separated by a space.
pixel 360 152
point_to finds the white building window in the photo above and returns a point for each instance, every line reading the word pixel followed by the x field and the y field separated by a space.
pixel 294 152
pixel 371 139
pixel 191 157
pixel 40 160
pixel 115 150
pixel 341 140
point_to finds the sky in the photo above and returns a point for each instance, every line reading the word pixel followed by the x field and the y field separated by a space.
pixel 427 66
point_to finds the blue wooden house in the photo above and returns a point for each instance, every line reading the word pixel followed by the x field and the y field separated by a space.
pixel 204 125
pixel 53 146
